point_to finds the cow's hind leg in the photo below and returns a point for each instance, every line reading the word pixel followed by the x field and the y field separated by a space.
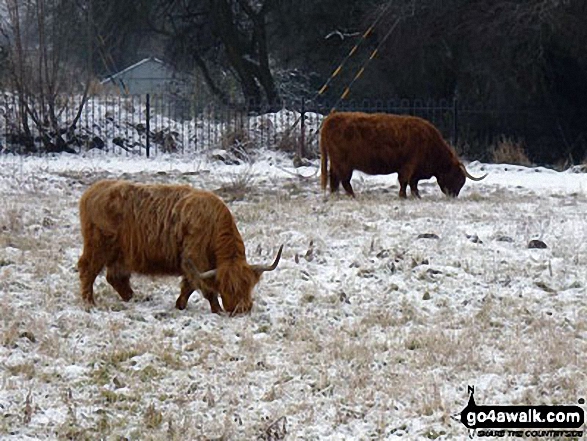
pixel 89 266
pixel 120 281
pixel 334 181
pixel 346 183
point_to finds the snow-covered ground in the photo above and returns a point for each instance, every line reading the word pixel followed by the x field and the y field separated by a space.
pixel 365 330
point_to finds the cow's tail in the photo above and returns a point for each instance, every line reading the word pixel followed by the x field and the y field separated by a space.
pixel 323 164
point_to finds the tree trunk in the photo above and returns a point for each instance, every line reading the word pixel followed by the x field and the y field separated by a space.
pixel 249 59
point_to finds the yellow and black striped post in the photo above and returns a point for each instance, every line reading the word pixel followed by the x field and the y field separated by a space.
pixel 366 35
pixel 347 89
pixel 360 72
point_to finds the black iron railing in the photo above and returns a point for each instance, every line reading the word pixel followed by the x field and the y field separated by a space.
pixel 154 124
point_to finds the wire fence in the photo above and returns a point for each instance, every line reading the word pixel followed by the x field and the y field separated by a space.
pixel 155 124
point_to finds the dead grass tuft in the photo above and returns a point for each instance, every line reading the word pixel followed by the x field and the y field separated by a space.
pixel 27 414
pixel 25 370
pixel 510 151
pixel 239 185
pixel 276 431
pixel 152 417
pixel 238 143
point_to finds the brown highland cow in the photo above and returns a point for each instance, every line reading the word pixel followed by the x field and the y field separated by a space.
pixel 380 144
pixel 165 230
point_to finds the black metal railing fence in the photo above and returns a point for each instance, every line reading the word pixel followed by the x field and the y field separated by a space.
pixel 155 124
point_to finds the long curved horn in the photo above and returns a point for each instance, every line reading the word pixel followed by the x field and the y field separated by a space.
pixel 205 275
pixel 472 178
pixel 263 268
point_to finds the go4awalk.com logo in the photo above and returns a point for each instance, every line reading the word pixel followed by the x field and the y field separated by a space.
pixel 553 422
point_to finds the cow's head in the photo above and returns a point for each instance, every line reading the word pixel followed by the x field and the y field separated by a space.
pixel 235 286
pixel 235 283
pixel 452 181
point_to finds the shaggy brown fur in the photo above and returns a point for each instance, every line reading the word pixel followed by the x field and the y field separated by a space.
pixel 382 144
pixel 164 230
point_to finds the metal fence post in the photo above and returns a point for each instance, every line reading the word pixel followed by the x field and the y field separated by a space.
pixel 148 124
pixel 455 122
pixel 302 146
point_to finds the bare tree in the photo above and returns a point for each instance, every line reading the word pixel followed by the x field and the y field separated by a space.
pixel 222 35
pixel 44 75
pixel 120 32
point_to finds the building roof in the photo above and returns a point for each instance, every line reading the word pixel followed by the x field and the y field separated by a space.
pixel 132 67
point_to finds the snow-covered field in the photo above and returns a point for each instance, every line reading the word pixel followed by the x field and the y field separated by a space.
pixel 365 330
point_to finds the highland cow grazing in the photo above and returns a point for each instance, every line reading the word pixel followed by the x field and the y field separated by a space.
pixel 165 230
pixel 380 144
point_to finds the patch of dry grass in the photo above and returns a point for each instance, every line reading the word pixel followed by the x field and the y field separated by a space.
pixel 510 151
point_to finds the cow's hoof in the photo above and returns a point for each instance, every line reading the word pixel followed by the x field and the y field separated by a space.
pixel 89 301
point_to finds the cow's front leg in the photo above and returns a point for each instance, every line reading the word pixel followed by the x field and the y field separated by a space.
pixel 212 297
pixel 184 295
pixel 414 188
pixel 403 186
